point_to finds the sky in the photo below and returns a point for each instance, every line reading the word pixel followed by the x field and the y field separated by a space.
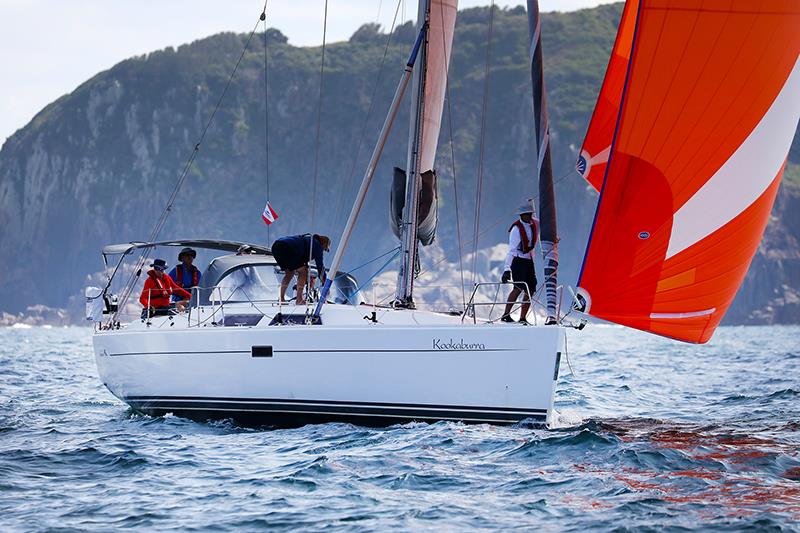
pixel 49 47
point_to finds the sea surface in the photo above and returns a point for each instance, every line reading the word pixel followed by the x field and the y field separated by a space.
pixel 652 435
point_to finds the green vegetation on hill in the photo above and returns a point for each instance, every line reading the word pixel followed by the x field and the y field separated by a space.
pixel 97 165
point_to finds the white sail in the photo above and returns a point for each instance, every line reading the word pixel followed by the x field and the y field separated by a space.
pixel 440 44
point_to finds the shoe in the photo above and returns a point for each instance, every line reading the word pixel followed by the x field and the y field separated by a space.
pixel 551 321
pixel 524 322
pixel 506 318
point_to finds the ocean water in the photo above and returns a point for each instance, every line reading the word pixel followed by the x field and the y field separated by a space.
pixel 652 435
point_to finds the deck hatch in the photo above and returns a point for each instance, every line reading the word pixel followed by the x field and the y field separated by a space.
pixel 241 320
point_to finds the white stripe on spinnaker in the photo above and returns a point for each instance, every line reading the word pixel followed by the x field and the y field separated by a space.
pixel 690 314
pixel 745 176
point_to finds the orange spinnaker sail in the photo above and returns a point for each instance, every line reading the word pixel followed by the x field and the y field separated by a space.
pixel 708 110
pixel 597 145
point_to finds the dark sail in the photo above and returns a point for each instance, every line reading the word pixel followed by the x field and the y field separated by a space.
pixel 428 215
pixel 548 229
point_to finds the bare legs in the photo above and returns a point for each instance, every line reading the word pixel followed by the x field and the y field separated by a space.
pixel 512 298
pixel 287 277
pixel 302 276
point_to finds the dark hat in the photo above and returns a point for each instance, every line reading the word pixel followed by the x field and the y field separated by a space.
pixel 159 264
pixel 187 251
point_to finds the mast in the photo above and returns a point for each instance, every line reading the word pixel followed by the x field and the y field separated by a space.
pixel 370 172
pixel 409 243
pixel 548 229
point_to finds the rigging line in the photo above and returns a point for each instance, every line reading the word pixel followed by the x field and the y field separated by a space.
pixel 368 262
pixel 319 116
pixel 266 111
pixel 495 223
pixel 349 180
pixel 479 188
pixel 453 168
pixel 185 172
pixel 379 271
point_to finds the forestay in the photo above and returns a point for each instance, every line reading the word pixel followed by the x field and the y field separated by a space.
pixel 704 117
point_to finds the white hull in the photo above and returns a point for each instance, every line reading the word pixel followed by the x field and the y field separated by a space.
pixel 371 374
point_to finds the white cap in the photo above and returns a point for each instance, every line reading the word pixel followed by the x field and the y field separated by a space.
pixel 526 207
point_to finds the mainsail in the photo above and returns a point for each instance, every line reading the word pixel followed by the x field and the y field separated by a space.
pixel 708 108
pixel 439 44
pixel 430 83
pixel 442 23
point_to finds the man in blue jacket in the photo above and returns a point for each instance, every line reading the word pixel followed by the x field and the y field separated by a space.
pixel 293 254
pixel 185 274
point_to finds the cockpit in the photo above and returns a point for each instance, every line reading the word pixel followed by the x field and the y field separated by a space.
pixel 234 277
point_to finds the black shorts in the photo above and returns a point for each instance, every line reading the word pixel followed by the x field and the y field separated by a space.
pixel 286 258
pixel 523 274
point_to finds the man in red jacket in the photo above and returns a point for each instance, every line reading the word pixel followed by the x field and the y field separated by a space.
pixel 158 290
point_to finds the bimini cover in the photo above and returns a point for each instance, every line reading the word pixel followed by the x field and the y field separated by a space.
pixel 428 216
pixel 703 120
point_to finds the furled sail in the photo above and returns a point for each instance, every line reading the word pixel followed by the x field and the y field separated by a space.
pixel 706 116
pixel 428 212
pixel 548 228
pixel 597 145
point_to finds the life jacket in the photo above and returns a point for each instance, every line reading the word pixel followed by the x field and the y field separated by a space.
pixel 525 246
pixel 179 276
pixel 159 295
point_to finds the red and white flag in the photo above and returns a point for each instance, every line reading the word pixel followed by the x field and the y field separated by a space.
pixel 269 215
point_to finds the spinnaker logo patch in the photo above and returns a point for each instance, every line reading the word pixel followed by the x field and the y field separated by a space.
pixel 581 165
pixel 450 344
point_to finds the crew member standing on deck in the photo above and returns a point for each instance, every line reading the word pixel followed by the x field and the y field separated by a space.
pixel 185 274
pixel 293 254
pixel 519 267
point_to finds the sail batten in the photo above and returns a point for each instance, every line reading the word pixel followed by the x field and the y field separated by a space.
pixel 705 120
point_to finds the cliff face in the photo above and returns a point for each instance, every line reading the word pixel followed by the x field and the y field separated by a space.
pixel 771 291
pixel 97 165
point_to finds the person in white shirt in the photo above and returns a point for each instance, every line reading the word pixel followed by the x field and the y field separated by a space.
pixel 519 269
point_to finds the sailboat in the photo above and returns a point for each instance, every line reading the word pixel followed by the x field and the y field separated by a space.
pixel 687 146
pixel 241 353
